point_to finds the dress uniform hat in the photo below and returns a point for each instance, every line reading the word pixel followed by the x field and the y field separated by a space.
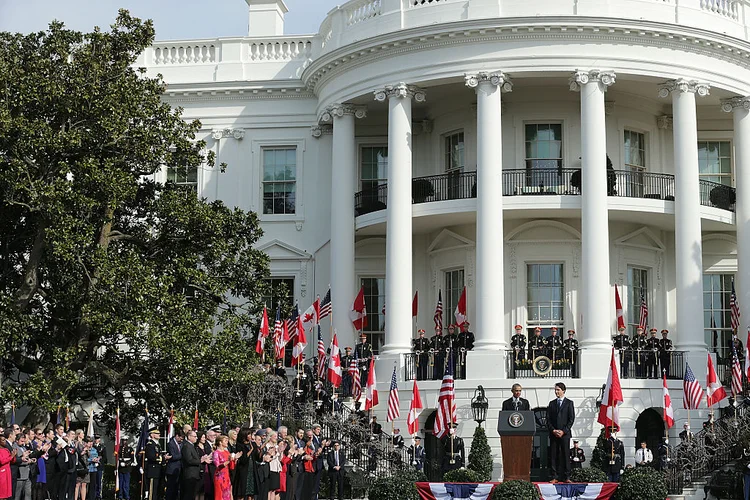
pixel 653 330
pixel 571 331
pixel 518 327
pixel 154 430
pixel 665 331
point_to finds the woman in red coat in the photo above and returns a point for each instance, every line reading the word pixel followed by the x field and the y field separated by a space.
pixel 6 487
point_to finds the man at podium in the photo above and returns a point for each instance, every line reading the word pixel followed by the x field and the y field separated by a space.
pixel 516 403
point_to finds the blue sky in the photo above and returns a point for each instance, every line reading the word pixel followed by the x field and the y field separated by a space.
pixel 173 19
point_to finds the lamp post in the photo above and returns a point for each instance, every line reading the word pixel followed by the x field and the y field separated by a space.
pixel 479 405
pixel 600 397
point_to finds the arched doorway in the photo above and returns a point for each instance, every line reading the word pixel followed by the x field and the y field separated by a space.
pixel 433 450
pixel 650 428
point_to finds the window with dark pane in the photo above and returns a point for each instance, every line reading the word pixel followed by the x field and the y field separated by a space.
pixel 637 285
pixel 183 176
pixel 715 161
pixel 280 180
pixel 374 167
pixel 717 315
pixel 543 153
pixel 454 285
pixel 374 291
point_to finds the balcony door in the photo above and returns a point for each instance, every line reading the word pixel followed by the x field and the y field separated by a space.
pixel 544 160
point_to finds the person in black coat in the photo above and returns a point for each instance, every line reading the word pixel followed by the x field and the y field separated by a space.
pixel 417 454
pixel 516 403
pixel 336 459
pixel 615 452
pixel 454 454
pixel 577 457
pixel 174 465
pixel 191 467
pixel 154 460
pixel 560 419
pixel 242 466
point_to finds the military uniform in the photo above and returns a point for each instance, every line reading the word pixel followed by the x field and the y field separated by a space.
pixel 614 461
pixel 570 350
pixel 464 344
pixel 363 353
pixel 450 348
pixel 639 346
pixel 537 345
pixel 663 455
pixel 577 457
pixel 621 342
pixel 665 356
pixel 154 460
pixel 459 455
pixel 421 347
pixel 437 343
pixel 518 343
pixel 554 346
pixel 652 347
pixel 346 377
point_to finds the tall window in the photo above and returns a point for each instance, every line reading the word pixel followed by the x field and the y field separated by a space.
pixel 637 285
pixel 280 293
pixel 183 176
pixel 454 285
pixel 635 151
pixel 717 322
pixel 279 181
pixel 374 168
pixel 543 154
pixel 545 291
pixel 715 161
pixel 374 301
pixel 454 151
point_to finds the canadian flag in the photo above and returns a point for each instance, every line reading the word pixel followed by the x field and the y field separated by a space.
pixel 460 312
pixel 747 355
pixel 415 408
pixel 609 411
pixel 170 426
pixel 668 411
pixel 311 316
pixel 334 363
pixel 714 390
pixel 299 346
pixel 358 314
pixel 415 304
pixel 263 333
pixel 371 393
pixel 618 309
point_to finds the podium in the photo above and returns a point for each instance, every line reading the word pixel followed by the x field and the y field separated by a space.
pixel 516 429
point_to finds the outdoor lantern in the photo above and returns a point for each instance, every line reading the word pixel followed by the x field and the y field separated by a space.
pixel 479 405
pixel 600 397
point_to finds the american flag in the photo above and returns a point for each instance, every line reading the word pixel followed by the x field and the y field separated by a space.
pixel 325 305
pixel 356 380
pixel 736 374
pixel 438 318
pixel 291 323
pixel 278 334
pixel 321 356
pixel 692 389
pixel 643 321
pixel 446 413
pixel 734 306
pixel 393 410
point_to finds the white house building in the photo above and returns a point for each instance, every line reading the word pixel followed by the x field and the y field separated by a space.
pixel 428 145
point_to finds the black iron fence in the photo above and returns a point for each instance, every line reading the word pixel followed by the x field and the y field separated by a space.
pixel 567 366
pixel 717 195
pixel 647 363
pixel 433 365
pixel 639 184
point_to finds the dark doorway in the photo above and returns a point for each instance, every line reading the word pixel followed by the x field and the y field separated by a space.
pixel 650 428
pixel 433 449
pixel 540 452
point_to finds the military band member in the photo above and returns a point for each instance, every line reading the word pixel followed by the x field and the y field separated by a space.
pixel 652 345
pixel 438 356
pixel 363 352
pixel 450 343
pixel 570 348
pixel 737 345
pixel 421 348
pixel 639 346
pixel 577 457
pixel 346 377
pixel 464 344
pixel 518 343
pixel 536 344
pixel 554 345
pixel 665 351
pixel 621 342
pixel 454 456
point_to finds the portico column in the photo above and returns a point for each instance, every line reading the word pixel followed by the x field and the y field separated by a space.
pixel 596 289
pixel 740 108
pixel 490 280
pixel 688 244
pixel 344 179
pixel 398 243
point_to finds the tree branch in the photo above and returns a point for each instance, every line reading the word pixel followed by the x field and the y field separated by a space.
pixel 30 282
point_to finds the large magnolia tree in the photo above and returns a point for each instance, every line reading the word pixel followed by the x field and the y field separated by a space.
pixel 113 287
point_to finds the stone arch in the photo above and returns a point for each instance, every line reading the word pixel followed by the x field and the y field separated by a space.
pixel 553 231
pixel 649 427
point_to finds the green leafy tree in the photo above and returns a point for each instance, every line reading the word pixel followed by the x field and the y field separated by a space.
pixel 114 287
pixel 480 455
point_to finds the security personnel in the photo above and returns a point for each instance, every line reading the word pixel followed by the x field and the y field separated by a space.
pixel 652 346
pixel 154 461
pixel 536 344
pixel 421 347
pixel 621 342
pixel 363 352
pixel 554 345
pixel 346 377
pixel 416 454
pixel 615 458
pixel 518 343
pixel 665 348
pixel 577 457
pixel 639 345
pixel 570 350
pixel 454 456
pixel 437 344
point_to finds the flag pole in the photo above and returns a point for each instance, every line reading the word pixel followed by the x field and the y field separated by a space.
pixel 117 459
pixel 143 463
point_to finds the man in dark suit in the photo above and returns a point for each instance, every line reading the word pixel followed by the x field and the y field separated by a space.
pixel 191 463
pixel 174 465
pixel 516 403
pixel 336 461
pixel 560 419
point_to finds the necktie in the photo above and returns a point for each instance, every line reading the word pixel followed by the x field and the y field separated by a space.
pixel 515 401
pixel 337 458
pixel 559 404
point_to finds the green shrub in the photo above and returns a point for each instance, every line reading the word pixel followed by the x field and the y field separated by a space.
pixel 588 475
pixel 600 455
pixel 398 487
pixel 643 483
pixel 517 490
pixel 480 455
pixel 462 476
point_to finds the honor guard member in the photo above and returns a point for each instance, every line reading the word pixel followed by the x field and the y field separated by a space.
pixel 663 455
pixel 346 377
pixel 437 343
pixel 154 460
pixel 737 345
pixel 280 371
pixel 464 344
pixel 615 458
pixel 665 351
pixel 536 344
pixel 554 345
pixel 639 345
pixel 450 347
pixel 421 347
pixel 570 349
pixel 454 456
pixel 652 345
pixel 577 457
pixel 363 352
pixel 518 343
pixel 621 342
pixel 416 454
pixel 686 434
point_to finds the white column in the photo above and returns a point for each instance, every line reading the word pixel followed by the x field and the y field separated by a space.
pixel 740 106
pixel 688 244
pixel 596 289
pixel 398 243
pixel 490 296
pixel 343 186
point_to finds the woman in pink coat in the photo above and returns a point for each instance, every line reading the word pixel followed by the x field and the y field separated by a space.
pixel 6 488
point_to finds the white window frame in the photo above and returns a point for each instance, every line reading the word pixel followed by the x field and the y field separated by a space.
pixel 447 155
pixel 531 324
pixel 256 204
pixel 716 136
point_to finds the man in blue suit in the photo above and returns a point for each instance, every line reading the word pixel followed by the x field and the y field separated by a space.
pixel 174 465
pixel 560 419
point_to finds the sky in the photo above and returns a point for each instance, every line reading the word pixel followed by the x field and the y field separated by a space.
pixel 173 19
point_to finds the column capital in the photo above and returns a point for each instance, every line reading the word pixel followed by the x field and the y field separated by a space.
pixel 683 85
pixel 582 77
pixel 729 105
pixel 496 78
pixel 401 90
pixel 318 131
pixel 227 133
pixel 338 110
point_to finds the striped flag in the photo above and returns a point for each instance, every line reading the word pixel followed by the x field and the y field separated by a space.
pixel 734 307
pixel 118 438
pixel 446 412
pixel 415 408
pixel 356 379
pixel 643 320
pixel 438 318
pixel 747 356
pixel 714 390
pixel 371 391
pixel 170 425
pixel 736 374
pixel 325 305
pixel 668 411
pixel 321 356
pixel 334 363
pixel 263 333
pixel 278 334
pixel 393 403
pixel 692 389
pixel 292 322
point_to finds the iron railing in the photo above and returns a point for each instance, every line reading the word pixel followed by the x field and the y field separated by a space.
pixel 555 181
pixel 432 366
pixel 564 367
pixel 649 364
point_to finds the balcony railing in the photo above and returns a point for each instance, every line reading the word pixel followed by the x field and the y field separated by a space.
pixel 520 367
pixel 432 366
pixel 537 182
pixel 649 364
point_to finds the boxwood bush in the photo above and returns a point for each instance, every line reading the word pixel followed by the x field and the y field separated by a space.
pixel 398 487
pixel 588 475
pixel 517 490
pixel 462 476
pixel 643 483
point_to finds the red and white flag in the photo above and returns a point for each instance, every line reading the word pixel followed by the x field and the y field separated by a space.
pixel 118 437
pixel 393 402
pixel 415 305
pixel 358 314
pixel 460 312
pixel 334 363
pixel 311 316
pixel 371 392
pixel 446 403
pixel 356 380
pixel 618 309
pixel 438 317
pixel 693 392
pixel 263 333
pixel 170 425
pixel 415 408
pixel 299 346
pixel 747 355
pixel 736 374
pixel 609 411
pixel 321 356
pixel 278 335
pixel 714 390
pixel 668 411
